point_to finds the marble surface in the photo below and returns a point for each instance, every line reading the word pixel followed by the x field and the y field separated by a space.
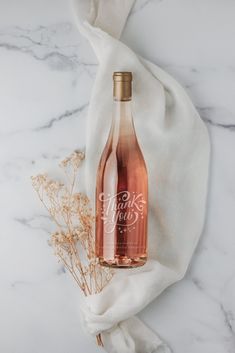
pixel 46 74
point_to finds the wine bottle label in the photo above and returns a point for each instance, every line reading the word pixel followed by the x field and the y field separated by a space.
pixel 122 210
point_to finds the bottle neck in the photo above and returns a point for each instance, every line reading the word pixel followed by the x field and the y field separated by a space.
pixel 122 124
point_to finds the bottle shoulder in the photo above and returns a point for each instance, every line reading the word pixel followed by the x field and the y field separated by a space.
pixel 125 154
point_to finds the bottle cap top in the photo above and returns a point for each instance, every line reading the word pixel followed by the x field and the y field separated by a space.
pixel 122 76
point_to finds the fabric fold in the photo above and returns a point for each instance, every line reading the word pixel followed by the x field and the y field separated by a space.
pixel 176 148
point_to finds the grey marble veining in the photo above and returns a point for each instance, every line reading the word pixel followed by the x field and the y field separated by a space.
pixel 47 70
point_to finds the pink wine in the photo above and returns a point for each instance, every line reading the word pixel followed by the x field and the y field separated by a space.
pixel 122 187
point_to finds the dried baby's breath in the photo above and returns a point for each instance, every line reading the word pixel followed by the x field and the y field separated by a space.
pixel 73 240
pixel 74 160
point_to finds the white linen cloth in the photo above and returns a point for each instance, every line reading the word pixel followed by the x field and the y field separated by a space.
pixel 176 148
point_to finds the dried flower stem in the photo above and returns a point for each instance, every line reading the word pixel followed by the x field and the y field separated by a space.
pixel 73 240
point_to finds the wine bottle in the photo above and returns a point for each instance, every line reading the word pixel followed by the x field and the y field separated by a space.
pixel 122 187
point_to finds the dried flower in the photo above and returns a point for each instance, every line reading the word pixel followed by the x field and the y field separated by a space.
pixel 73 240
pixel 74 160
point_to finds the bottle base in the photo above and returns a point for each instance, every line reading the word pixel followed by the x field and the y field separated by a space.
pixel 123 261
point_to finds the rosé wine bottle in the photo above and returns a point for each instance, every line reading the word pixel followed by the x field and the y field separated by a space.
pixel 122 187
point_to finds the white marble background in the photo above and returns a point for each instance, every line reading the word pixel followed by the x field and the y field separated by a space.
pixel 46 74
